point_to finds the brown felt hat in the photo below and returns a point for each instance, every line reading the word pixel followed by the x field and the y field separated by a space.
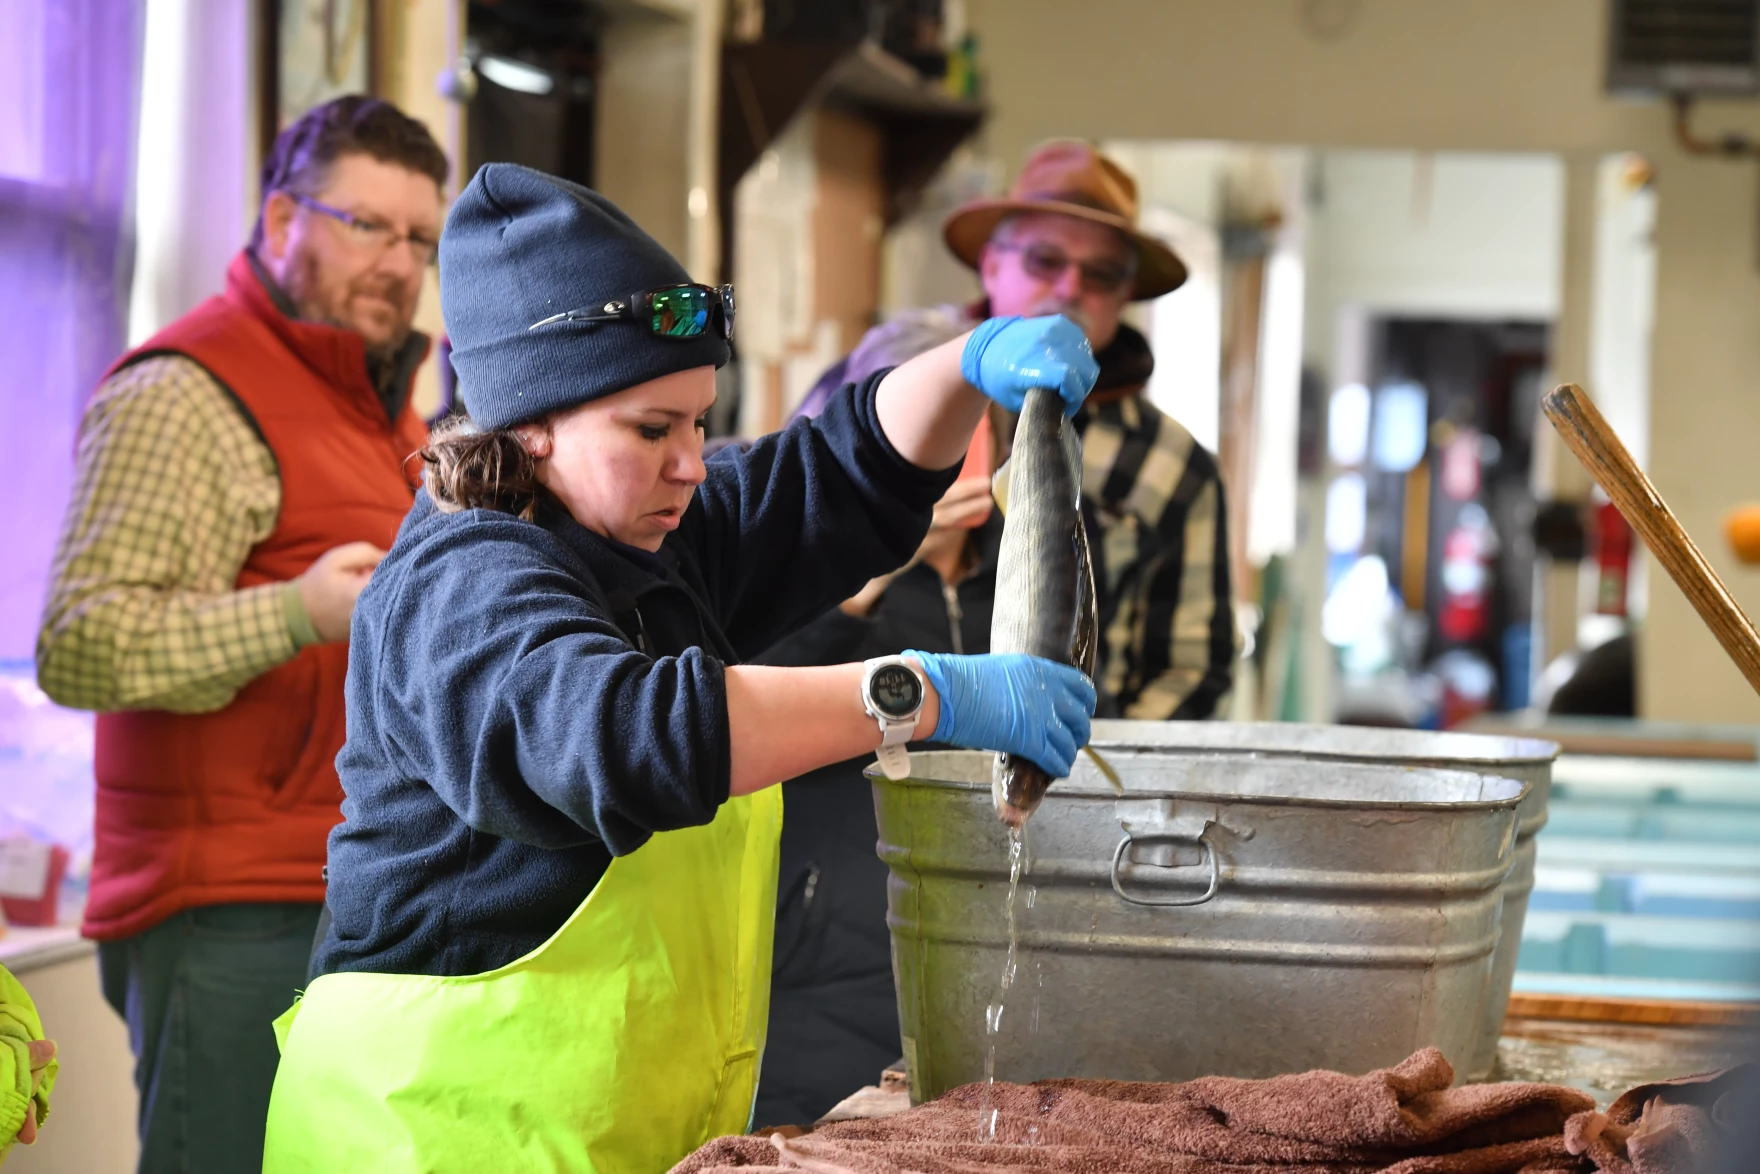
pixel 1070 178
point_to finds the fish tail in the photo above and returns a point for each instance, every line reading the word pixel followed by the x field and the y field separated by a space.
pixel 1104 768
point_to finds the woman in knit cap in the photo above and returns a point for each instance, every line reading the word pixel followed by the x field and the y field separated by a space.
pixel 553 890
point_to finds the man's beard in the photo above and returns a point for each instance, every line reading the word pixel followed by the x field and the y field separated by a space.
pixel 307 292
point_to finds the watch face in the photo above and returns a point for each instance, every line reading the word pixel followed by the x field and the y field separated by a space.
pixel 895 690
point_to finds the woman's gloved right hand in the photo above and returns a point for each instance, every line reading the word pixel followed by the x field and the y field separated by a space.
pixel 1012 703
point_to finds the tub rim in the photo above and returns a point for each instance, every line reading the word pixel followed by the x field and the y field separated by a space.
pixel 1518 751
pixel 1100 791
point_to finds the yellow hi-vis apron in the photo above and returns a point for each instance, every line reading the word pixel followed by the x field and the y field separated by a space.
pixel 622 1044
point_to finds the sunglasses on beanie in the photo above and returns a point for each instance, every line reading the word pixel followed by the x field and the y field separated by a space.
pixel 672 311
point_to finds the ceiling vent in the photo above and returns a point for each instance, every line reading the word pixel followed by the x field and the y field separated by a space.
pixel 1686 47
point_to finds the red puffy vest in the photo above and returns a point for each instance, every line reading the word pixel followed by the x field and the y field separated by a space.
pixel 236 805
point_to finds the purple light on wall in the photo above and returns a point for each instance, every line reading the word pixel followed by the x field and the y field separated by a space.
pixel 66 178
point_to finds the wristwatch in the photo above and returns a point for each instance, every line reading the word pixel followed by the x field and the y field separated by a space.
pixel 892 693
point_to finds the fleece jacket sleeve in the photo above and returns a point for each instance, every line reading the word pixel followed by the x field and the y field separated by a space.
pixel 519 702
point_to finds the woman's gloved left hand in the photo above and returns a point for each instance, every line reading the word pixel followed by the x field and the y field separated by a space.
pixel 1013 703
pixel 1006 357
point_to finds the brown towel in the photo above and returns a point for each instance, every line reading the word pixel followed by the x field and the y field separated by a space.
pixel 1658 1128
pixel 1402 1120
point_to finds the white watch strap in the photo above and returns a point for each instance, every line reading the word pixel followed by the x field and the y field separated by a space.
pixel 895 760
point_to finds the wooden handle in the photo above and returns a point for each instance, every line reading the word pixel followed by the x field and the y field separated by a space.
pixel 1586 433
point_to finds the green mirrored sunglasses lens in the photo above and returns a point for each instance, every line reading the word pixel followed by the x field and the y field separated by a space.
pixel 681 313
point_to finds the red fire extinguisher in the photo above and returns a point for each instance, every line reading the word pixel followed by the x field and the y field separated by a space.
pixel 1613 559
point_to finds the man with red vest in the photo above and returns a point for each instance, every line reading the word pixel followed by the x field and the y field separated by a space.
pixel 239 476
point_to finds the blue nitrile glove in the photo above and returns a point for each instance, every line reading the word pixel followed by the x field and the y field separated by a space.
pixel 1007 357
pixel 1014 703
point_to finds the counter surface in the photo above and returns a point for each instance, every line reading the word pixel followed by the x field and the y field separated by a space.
pixel 26 948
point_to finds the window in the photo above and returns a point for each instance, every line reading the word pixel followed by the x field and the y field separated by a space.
pixel 68 73
pixel 21 90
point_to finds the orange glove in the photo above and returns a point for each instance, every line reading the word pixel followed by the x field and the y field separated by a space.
pixel 1742 527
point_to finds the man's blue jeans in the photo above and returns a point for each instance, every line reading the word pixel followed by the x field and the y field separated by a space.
pixel 199 991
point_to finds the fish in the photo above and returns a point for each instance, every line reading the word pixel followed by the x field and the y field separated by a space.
pixel 1046 605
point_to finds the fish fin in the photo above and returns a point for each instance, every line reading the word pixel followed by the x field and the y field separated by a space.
pixel 1105 768
pixel 999 486
pixel 1085 648
pixel 1072 455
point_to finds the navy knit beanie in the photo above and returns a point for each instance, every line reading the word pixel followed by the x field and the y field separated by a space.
pixel 520 246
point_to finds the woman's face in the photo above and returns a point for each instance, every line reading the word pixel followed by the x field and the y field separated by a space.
pixel 627 465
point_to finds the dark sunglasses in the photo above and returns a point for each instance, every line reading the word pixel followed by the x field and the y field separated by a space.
pixel 1047 263
pixel 673 311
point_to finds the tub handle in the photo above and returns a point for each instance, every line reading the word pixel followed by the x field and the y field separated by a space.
pixel 1202 840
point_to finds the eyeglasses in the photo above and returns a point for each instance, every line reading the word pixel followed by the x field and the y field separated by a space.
pixel 371 234
pixel 672 311
pixel 1048 263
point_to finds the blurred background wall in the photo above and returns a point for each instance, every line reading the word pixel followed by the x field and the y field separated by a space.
pixel 1499 76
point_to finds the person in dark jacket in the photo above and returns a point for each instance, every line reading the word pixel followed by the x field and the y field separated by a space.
pixel 833 1009
pixel 554 886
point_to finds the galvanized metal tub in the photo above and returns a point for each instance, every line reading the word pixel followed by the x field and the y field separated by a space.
pixel 1527 759
pixel 1228 915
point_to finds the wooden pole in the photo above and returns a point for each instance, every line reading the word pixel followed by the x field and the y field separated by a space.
pixel 1587 434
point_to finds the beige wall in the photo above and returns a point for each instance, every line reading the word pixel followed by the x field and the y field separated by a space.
pixel 848 221
pixel 807 225
pixel 1705 420
pixel 418 39
pixel 642 124
pixel 656 123
pixel 1488 75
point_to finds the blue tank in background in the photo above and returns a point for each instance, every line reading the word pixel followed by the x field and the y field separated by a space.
pixel 1648 878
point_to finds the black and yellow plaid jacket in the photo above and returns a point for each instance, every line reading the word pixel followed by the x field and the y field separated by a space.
pixel 1158 524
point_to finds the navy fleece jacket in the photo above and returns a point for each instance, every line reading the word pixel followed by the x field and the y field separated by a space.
pixel 527 700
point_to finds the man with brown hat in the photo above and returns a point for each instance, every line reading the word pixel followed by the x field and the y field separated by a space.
pixel 1065 241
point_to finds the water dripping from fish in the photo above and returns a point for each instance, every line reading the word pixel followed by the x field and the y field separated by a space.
pixel 1017 865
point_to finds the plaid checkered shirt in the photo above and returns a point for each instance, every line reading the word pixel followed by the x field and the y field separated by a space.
pixel 1159 532
pixel 172 489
